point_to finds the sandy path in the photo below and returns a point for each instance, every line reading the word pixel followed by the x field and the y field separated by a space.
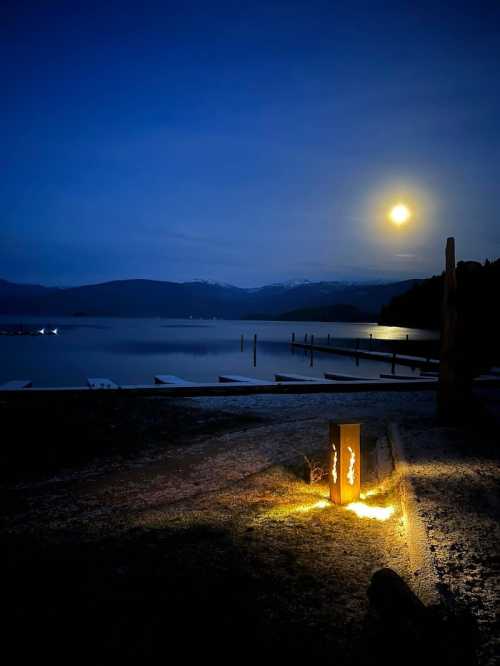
pixel 294 424
pixel 457 479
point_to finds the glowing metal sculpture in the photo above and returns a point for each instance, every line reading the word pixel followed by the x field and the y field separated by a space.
pixel 344 468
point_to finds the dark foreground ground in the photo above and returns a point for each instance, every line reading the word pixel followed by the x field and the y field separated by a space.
pixel 152 530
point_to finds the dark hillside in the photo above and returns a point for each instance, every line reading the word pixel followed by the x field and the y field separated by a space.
pixel 153 298
pixel 478 307
pixel 420 306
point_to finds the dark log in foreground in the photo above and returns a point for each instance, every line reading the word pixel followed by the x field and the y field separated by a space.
pixel 413 633
pixel 393 598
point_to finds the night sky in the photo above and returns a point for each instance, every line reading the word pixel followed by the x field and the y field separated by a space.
pixel 246 142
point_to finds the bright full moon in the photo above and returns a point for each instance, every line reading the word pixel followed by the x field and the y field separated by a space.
pixel 400 214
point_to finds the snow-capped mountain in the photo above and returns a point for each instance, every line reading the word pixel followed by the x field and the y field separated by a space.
pixel 153 298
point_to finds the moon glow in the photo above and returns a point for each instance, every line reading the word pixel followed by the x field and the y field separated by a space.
pixel 399 214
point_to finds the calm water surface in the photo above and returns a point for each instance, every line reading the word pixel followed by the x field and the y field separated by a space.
pixel 132 351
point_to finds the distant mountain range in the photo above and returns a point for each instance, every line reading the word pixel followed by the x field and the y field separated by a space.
pixel 151 298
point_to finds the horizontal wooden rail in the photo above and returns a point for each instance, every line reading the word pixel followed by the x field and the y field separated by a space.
pixel 242 388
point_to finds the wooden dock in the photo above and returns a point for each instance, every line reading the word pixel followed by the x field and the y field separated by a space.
pixel 186 389
pixel 16 384
pixel 399 359
pixel 101 383
pixel 172 379
pixel 242 379
pixel 291 377
pixel 410 378
pixel 342 376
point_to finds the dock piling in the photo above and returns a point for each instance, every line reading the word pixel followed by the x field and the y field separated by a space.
pixel 255 350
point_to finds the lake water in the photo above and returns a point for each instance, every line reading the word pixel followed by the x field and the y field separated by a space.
pixel 132 351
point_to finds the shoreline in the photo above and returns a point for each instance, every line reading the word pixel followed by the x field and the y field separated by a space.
pixel 207 485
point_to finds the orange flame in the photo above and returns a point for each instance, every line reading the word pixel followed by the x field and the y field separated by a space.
pixel 334 466
pixel 350 471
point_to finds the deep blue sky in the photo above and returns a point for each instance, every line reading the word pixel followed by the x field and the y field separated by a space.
pixel 246 142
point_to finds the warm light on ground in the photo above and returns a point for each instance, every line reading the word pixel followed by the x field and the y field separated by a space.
pixel 322 504
pixel 399 214
pixel 363 510
pixel 381 489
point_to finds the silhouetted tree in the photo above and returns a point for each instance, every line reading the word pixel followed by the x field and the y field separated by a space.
pixel 478 290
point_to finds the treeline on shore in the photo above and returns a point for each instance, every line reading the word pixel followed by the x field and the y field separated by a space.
pixel 478 286
pixel 420 306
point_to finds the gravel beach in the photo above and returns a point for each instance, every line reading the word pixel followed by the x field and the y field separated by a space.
pixel 219 483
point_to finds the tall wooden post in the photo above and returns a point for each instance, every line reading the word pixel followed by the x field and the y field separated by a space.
pixel 255 350
pixel 451 392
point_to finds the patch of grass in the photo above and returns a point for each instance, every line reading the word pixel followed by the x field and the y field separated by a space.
pixel 192 592
pixel 46 435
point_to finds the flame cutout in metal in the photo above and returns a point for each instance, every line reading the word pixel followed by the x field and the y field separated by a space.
pixel 350 471
pixel 334 465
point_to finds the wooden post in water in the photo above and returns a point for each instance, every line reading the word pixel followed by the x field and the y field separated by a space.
pixel 371 341
pixel 305 339
pixel 312 351
pixel 393 366
pixel 293 338
pixel 328 341
pixel 255 350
